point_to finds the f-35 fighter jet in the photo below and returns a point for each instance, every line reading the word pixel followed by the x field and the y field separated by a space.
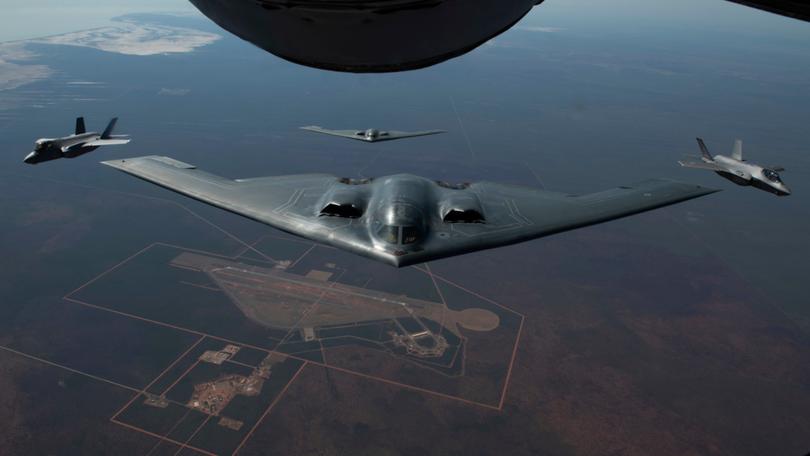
pixel 79 143
pixel 372 135
pixel 404 219
pixel 739 171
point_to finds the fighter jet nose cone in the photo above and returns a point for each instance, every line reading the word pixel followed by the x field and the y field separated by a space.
pixel 366 36
pixel 30 158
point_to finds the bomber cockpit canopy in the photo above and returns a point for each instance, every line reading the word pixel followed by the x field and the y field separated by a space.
pixel 402 224
pixel 397 235
pixel 372 133
pixel 771 175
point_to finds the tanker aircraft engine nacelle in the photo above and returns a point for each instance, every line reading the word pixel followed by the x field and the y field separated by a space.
pixel 366 36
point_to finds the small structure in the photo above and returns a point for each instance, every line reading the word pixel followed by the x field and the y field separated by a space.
pixel 323 276
pixel 423 344
pixel 214 357
pixel 154 400
pixel 230 423
pixel 231 349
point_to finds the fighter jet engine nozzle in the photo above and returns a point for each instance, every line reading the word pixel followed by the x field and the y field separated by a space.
pixel 368 36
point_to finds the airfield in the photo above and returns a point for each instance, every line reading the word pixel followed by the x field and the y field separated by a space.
pixel 258 321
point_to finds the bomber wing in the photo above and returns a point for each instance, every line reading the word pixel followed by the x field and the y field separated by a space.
pixel 353 134
pixel 408 134
pixel 515 214
pixel 288 203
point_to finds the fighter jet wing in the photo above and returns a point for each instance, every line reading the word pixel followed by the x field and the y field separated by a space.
pixel 353 134
pixel 107 142
pixel 284 202
pixel 700 165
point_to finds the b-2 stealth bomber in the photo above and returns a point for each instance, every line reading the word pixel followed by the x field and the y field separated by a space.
pixel 739 171
pixel 405 219
pixel 372 134
pixel 79 143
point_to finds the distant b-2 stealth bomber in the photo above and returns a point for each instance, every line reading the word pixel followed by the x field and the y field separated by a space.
pixel 404 219
pixel 79 143
pixel 739 171
pixel 372 135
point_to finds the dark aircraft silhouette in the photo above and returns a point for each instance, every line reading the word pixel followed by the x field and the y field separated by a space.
pixel 374 36
pixel 79 143
pixel 798 9
pixel 366 35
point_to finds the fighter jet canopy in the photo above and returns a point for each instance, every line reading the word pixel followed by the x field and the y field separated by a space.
pixel 771 175
pixel 366 35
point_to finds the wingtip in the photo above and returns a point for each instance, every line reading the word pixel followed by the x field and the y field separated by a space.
pixel 114 163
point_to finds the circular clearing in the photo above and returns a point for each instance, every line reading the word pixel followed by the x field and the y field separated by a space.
pixel 478 320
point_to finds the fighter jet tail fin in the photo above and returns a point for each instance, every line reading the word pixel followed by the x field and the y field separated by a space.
pixel 704 150
pixel 736 152
pixel 80 126
pixel 110 127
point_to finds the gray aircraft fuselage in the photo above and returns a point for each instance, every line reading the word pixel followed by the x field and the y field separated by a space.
pixel 79 143
pixel 46 149
pixel 738 170
pixel 372 134
pixel 744 173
